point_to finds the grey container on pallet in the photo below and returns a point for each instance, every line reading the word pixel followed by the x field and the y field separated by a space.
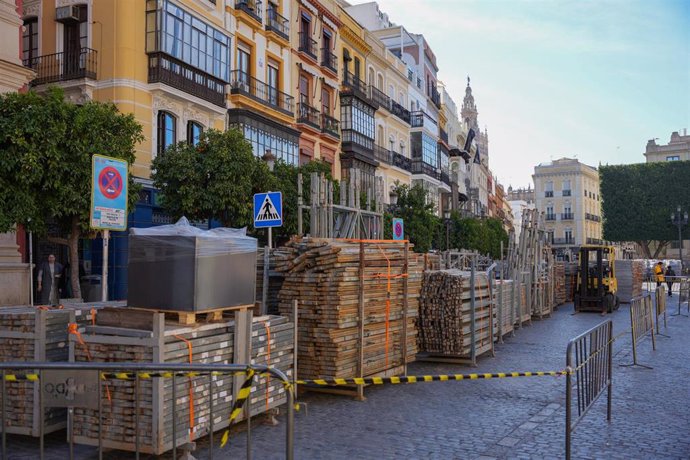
pixel 180 267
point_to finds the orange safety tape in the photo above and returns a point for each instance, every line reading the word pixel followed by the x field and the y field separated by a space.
pixel 190 389
pixel 73 329
pixel 268 359
pixel 354 240
pixel 381 275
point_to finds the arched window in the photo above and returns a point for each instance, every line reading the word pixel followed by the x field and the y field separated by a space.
pixel 194 131
pixel 379 82
pixel 167 130
pixel 30 41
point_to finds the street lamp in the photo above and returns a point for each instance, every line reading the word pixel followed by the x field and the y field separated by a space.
pixel 680 219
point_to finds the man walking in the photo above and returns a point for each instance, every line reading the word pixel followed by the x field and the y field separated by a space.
pixel 669 276
pixel 49 281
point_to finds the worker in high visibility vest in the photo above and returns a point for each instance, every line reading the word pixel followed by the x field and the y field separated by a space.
pixel 659 273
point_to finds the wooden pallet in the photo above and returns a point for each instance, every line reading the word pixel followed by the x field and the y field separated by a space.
pixel 142 318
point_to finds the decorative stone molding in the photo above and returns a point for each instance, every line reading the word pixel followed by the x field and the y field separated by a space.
pixel 31 8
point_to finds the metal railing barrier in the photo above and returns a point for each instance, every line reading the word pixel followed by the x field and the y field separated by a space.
pixel 683 283
pixel 589 363
pixel 660 302
pixel 641 324
pixel 85 385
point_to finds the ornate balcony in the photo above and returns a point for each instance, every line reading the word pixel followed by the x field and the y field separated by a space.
pixel 420 167
pixel 330 125
pixel 355 86
pixel 242 83
pixel 307 45
pixel 382 154
pixel 400 111
pixel 166 69
pixel 308 115
pixel 417 119
pixel 550 217
pixel 401 161
pixel 329 60
pixel 435 97
pixel 64 66
pixel 379 97
pixel 567 216
pixel 566 193
pixel 251 7
pixel 277 24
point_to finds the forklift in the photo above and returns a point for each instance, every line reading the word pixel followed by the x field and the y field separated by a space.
pixel 597 285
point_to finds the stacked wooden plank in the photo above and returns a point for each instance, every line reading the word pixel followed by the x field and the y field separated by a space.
pixel 504 310
pixel 275 280
pixel 629 274
pixel 524 306
pixel 445 314
pixel 542 298
pixel 570 280
pixel 155 341
pixel 559 283
pixel 332 280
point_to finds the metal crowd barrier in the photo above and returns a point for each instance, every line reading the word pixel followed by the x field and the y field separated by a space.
pixel 683 283
pixel 641 324
pixel 660 302
pixel 589 359
pixel 82 384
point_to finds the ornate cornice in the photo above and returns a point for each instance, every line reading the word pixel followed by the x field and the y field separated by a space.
pixel 354 39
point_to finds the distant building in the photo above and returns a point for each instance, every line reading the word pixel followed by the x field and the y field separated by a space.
pixel 567 195
pixel 677 149
pixel 518 208
pixel 521 194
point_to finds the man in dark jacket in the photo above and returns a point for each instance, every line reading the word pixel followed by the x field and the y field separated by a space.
pixel 668 276
pixel 49 276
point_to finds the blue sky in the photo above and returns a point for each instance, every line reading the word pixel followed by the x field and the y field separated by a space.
pixel 592 79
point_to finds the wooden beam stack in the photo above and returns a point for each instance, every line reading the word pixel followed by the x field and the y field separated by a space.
pixel 559 283
pixel 445 314
pixel 570 280
pixel 630 275
pixel 158 341
pixel 505 313
pixel 275 280
pixel 333 280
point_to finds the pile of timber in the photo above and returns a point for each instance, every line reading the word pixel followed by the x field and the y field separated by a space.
pixel 41 335
pixel 128 335
pixel 524 304
pixel 559 283
pixel 333 280
pixel 542 297
pixel 504 301
pixel 630 275
pixel 434 261
pixel 445 314
pixel 570 280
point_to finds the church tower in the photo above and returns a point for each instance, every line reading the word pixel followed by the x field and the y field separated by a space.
pixel 470 116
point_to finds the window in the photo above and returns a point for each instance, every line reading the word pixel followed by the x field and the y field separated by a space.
pixel 357 116
pixel 326 102
pixel 30 41
pixel 243 59
pixel 327 40
pixel 263 137
pixel 568 235
pixel 273 76
pixel 357 67
pixel 429 150
pixel 673 158
pixel 194 131
pixel 167 131
pixel 174 31
pixel 303 89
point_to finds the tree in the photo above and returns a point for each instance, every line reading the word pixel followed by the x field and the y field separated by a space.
pixel 421 222
pixel 638 200
pixel 214 179
pixel 45 167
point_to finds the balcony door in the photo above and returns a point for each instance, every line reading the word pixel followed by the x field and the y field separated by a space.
pixel 304 90
pixel 75 38
pixel 243 60
pixel 273 84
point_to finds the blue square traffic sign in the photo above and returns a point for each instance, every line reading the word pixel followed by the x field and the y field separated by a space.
pixel 268 209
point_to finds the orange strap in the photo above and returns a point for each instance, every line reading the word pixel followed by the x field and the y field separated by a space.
pixel 93 316
pixel 388 303
pixel 73 329
pixel 268 359
pixel 190 389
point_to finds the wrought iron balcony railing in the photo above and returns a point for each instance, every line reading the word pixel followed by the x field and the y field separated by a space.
pixel 566 193
pixel 166 69
pixel 563 241
pixel 417 119
pixel 243 83
pixel 329 59
pixel 400 111
pixel 567 216
pixel 70 65
pixel 308 115
pixel 401 161
pixel 382 154
pixel 550 217
pixel 420 167
pixel 251 7
pixel 379 97
pixel 355 85
pixel 435 97
pixel 330 125
pixel 278 24
pixel 548 193
pixel 307 45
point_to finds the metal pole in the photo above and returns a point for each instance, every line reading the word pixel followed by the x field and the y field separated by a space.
pixel 270 237
pixel 174 419
pixel 609 396
pixel 104 280
pixel 264 287
pixel 31 273
pixel 295 337
pixel 680 242
pixel 290 427
pixel 100 418
pixel 4 415
pixel 40 415
pixel 210 415
pixel 568 402
pixel 136 415
pixel 473 325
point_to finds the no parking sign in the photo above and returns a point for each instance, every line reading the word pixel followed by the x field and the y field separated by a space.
pixel 398 229
pixel 108 193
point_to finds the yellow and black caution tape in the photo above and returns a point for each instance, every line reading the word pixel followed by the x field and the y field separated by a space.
pixel 242 396
pixel 429 378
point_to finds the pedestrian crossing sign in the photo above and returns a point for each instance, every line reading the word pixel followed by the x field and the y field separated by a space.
pixel 268 210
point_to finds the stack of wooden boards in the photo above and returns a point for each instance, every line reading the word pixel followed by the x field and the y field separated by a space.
pixel 41 335
pixel 275 279
pixel 445 314
pixel 506 306
pixel 333 280
pixel 570 280
pixel 145 337
pixel 629 274
pixel 559 283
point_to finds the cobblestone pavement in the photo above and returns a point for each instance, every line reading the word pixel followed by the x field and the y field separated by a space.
pixel 488 419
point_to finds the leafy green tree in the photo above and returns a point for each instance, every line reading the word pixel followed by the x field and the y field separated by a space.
pixel 45 167
pixel 421 222
pixel 214 179
pixel 638 200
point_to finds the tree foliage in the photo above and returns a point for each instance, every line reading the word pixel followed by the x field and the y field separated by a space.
pixel 45 167
pixel 638 200
pixel 418 215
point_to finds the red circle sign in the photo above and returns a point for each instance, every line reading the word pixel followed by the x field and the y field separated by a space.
pixel 398 230
pixel 110 182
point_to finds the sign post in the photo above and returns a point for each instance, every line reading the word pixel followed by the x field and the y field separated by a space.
pixel 109 179
pixel 268 212
pixel 398 229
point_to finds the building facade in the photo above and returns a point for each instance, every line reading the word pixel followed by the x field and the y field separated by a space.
pixel 677 149
pixel 567 194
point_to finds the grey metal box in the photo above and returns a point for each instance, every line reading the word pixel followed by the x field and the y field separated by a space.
pixel 191 273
